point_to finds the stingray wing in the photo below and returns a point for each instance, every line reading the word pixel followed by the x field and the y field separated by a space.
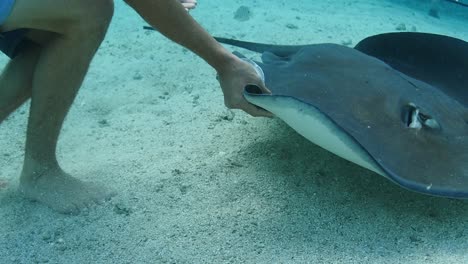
pixel 438 60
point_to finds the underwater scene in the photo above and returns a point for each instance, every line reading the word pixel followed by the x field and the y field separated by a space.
pixel 237 131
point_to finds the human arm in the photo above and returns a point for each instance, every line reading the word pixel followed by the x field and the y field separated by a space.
pixel 170 18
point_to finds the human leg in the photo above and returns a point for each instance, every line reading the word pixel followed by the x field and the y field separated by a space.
pixel 16 81
pixel 59 71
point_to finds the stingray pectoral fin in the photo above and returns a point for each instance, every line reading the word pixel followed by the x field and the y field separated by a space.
pixel 315 126
pixel 251 90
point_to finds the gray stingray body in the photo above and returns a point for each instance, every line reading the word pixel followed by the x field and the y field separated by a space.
pixel 390 105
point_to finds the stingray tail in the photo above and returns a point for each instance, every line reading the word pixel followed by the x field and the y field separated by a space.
pixel 257 47
pixel 280 50
pixel 458 2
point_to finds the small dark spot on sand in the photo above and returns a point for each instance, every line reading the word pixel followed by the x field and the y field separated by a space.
pixel 3 184
pixel 415 239
pixel 137 76
pixel 234 164
pixel 228 116
pixel 432 214
pixel 291 26
pixel 122 210
pixel 184 189
pixel 347 42
pixel 103 123
pixel 243 13
pixel 176 172
pixel 401 27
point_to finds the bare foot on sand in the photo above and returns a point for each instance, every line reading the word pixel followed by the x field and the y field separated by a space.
pixel 60 191
pixel 189 4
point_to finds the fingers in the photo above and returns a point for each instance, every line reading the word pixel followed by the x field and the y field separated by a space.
pixel 256 111
pixel 249 108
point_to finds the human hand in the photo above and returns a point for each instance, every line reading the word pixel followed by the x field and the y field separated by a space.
pixel 233 79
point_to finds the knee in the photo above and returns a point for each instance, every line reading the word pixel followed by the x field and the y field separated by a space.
pixel 94 17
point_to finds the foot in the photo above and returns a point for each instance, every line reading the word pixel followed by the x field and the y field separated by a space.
pixel 189 4
pixel 61 192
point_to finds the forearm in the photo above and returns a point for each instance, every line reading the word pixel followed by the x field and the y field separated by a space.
pixel 173 21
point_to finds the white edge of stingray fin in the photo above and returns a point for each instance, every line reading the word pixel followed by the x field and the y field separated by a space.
pixel 315 126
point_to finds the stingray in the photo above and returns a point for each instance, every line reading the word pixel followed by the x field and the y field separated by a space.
pixel 458 2
pixel 395 104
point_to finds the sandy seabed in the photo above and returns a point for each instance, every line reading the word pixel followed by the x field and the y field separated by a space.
pixel 197 183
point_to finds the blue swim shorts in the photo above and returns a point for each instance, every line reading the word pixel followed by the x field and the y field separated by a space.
pixel 5 9
pixel 11 43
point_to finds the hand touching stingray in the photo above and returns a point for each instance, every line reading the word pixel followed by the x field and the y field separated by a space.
pixel 233 79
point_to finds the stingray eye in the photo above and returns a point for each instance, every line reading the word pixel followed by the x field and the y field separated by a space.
pixel 415 119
